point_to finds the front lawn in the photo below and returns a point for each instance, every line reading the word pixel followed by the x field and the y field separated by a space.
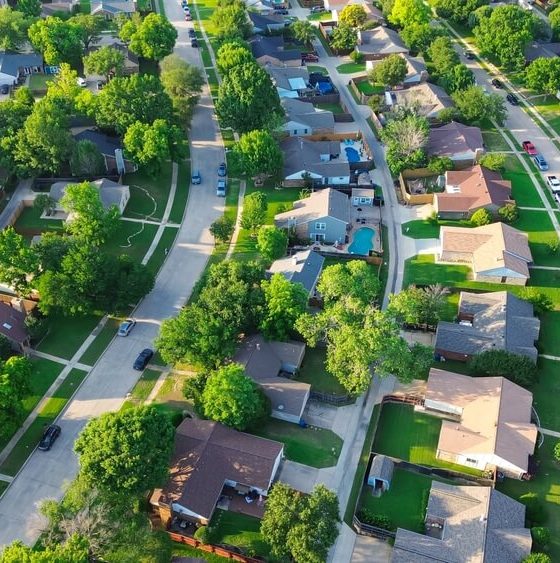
pixel 237 529
pixel 335 108
pixel 369 89
pixel 101 341
pixel 549 337
pixel 351 68
pixel 492 138
pixel 321 16
pixel 425 228
pixel 148 195
pixel 316 447
pixel 314 372
pixel 538 226
pixel 412 436
pixel 132 239
pixel 549 108
pixel 522 188
pixel 165 242
pixel 181 193
pixel 546 392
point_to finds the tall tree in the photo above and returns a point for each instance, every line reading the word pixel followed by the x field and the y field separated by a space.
pixel 554 20
pixel 259 153
pixel 17 260
pixel 460 77
pixel 106 61
pixel 344 38
pixel 231 21
pixel 418 306
pixel 13 29
pixel 443 55
pixel 272 242
pixel 543 75
pixel 303 31
pixel 408 12
pixel 475 104
pixel 390 71
pixel 86 159
pixel 353 14
pixel 89 27
pixel 254 211
pixel 231 54
pixel 154 38
pixel 356 279
pixel 59 41
pixel 29 8
pixel 419 36
pixel 458 11
pixel 126 451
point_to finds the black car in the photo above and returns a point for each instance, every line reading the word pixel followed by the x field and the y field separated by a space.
pixel 497 84
pixel 194 42
pixel 469 55
pixel 4 89
pixel 192 33
pixel 49 437
pixel 512 99
pixel 143 358
pixel 281 11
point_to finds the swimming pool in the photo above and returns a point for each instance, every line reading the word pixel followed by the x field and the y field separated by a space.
pixel 363 241
pixel 352 154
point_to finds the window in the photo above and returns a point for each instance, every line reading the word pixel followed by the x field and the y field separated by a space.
pixel 365 200
pixel 321 226
pixel 319 237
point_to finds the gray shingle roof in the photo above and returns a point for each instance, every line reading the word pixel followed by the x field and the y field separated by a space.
pixel 273 47
pixel 302 154
pixel 10 63
pixel 113 6
pixel 262 21
pixel 306 114
pixel 103 142
pixel 382 468
pixel 281 76
pixel 303 267
pixel 322 203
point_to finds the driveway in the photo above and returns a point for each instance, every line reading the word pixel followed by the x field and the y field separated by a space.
pixel 46 473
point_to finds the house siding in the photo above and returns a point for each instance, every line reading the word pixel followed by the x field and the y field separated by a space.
pixel 335 229
pixel 482 462
pixel 509 279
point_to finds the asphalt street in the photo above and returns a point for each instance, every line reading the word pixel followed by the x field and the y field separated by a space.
pixel 46 473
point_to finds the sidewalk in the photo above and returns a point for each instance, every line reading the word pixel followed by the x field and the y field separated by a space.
pixel 22 192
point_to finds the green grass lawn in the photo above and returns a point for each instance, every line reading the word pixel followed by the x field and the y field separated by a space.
pixel 3 486
pixel 132 239
pixel 522 187
pixel 451 304
pixel 412 436
pixel 181 193
pixel 493 139
pixel 66 334
pixel 317 68
pixel 183 550
pixel 321 16
pixel 549 108
pixel 335 108
pixel 351 68
pixel 369 89
pixel 405 502
pixel 38 82
pixel 310 446
pixel 30 222
pixel 546 485
pixel 546 392
pixel 424 228
pixel 142 389
pixel 240 530
pixel 148 196
pixel 314 372
pixel 541 232
pixel 102 340
pixel 549 338
pixel 158 257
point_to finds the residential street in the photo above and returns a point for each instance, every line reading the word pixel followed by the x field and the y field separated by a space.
pixel 105 389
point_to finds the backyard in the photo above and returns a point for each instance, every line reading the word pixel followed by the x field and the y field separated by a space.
pixel 314 372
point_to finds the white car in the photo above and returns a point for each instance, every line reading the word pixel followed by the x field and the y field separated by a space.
pixel 553 182
pixel 81 82
pixel 125 327
pixel 556 196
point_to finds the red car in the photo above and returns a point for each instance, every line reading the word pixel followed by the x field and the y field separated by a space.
pixel 309 58
pixel 529 148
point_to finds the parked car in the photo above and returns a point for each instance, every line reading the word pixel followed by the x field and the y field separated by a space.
pixel 143 358
pixel 317 9
pixel 222 169
pixel 281 11
pixel 196 178
pixel 529 148
pixel 554 183
pixel 125 327
pixel 221 188
pixel 188 17
pixel 49 437
pixel 4 89
pixel 540 162
pixel 82 83
pixel 186 9
pixel 512 99
pixel 192 33
pixel 469 55
pixel 100 84
pixel 309 58
pixel 497 84
pixel 556 196
pixel 184 3
pixel 194 42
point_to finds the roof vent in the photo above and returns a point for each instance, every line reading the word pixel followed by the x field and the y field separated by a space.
pixel 280 407
pixel 7 326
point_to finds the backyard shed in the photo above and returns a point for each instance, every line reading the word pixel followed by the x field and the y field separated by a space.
pixel 380 474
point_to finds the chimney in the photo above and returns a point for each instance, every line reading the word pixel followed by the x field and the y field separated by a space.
pixel 17 304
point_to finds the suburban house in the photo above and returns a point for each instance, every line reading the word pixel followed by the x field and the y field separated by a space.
pixel 319 161
pixel 16 65
pixel 336 6
pixel 111 194
pixel 490 424
pixel 54 8
pixel 271 51
pixel 466 523
pixel 379 43
pixel 303 118
pixel 497 253
pixel 460 143
pixel 489 321
pixel 109 147
pixel 271 365
pixel 266 23
pixel 324 216
pixel 131 64
pixel 290 81
pixel 210 458
pixel 303 267
pixel 363 197
pixel 416 69
pixel 428 98
pixel 12 326
pixel 541 50
pixel 469 190
pixel 110 8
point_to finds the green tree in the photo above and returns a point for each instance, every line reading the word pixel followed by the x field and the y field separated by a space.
pixel 106 61
pixel 15 374
pixel 418 306
pixel 233 398
pixel 519 369
pixel 475 104
pixel 543 75
pixel 18 371
pixel 254 211
pixel 231 21
pixel 271 242
pixel 259 153
pixel 13 29
pixel 86 159
pixel 409 12
pixel 89 27
pixel 344 38
pixel 6 349
pixel 504 35
pixel 443 55
pixel 44 203
pixel 29 8
pixel 554 20
pixel 59 41
pixel 17 260
pixel 390 71
pixel 540 534
pixel 353 15
pixel 50 249
pixel 458 11
pixel 356 279
pixel 537 558
pixel 494 161
pixel 127 451
pixel 303 31
pixel 232 54
pixel 440 164
pixel 127 26
pixel 508 213
pixel 285 302
pixel 74 550
pixel 540 301
pixel 222 229
pixel 154 38
pixel 181 79
pixel 459 77
pixel 247 99
pixel 419 36
pixel 481 217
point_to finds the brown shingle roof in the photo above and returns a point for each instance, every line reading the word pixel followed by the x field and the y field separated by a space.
pixel 206 454
pixel 322 203
pixel 12 324
pixel 453 138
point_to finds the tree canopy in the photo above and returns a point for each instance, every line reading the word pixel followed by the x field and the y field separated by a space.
pixel 418 306
pixel 344 37
pixel 408 12
pixel 272 242
pixel 105 61
pixel 13 28
pixel 231 54
pixel 458 11
pixel 356 279
pixel 86 159
pixel 543 75
pixel 259 153
pixel 353 14
pixel 390 71
pixel 59 41
pixel 17 261
pixel 154 38
pixel 303 31
pixel 254 211
pixel 475 104
pixel 419 36
pixel 519 369
pixel 231 21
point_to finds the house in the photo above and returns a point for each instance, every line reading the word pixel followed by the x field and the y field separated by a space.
pixel 289 81
pixel 489 321
pixel 110 193
pixel 266 23
pixel 469 190
pixel 427 98
pixel 12 326
pixel 209 456
pixel 363 197
pixel 380 474
pixel 497 253
pixel 55 8
pixel 460 143
pixel 270 365
pixel 109 147
pixel 303 267
pixel 271 51
pixel 324 216
pixel 303 118
pixel 541 50
pixel 466 523
pixel 416 70
pixel 13 66
pixel 110 8
pixel 131 63
pixel 379 43
pixel 490 424
pixel 320 161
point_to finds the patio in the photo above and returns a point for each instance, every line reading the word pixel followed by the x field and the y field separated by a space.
pixel 233 500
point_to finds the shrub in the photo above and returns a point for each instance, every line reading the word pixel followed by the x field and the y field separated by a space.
pixel 5 348
pixel 553 246
pixel 541 537
pixel 36 327
pixel 205 534
pixel 481 217
pixel 540 301
pixel 440 164
pixel 357 57
pixel 556 451
pixel 537 558
pixel 366 516
pixel 534 509
pixel 516 368
pixel 493 161
pixel 508 213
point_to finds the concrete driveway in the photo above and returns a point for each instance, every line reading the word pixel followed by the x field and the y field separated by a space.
pixel 46 473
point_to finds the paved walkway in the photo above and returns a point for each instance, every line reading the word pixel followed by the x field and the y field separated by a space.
pixel 235 235
pixel 550 432
pixel 548 357
pixel 22 192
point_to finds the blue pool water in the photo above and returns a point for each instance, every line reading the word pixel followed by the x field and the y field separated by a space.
pixel 363 241
pixel 352 154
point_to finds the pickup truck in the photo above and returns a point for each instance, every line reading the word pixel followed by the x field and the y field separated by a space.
pixel 221 188
pixel 529 148
pixel 554 183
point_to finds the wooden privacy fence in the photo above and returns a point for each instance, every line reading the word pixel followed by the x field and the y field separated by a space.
pixel 337 400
